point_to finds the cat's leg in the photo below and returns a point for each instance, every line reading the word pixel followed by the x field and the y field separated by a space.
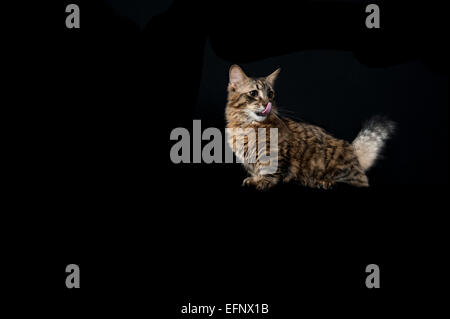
pixel 265 176
pixel 262 182
pixel 267 181
pixel 353 176
pixel 322 183
pixel 358 180
pixel 249 181
pixel 325 184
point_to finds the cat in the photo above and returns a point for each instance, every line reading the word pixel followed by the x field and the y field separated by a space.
pixel 306 153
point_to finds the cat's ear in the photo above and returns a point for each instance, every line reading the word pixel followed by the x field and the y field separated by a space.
pixel 272 77
pixel 236 75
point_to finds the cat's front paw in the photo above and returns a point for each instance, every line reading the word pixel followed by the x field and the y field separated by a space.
pixel 264 184
pixel 325 184
pixel 260 183
pixel 249 181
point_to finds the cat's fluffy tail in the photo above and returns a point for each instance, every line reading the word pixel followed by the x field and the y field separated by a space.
pixel 371 139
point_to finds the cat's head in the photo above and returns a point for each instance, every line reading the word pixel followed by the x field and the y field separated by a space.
pixel 251 99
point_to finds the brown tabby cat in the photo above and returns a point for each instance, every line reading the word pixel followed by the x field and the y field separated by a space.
pixel 306 153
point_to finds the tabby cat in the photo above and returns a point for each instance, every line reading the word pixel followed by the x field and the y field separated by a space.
pixel 306 153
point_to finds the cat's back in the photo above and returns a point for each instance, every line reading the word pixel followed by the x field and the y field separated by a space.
pixel 307 132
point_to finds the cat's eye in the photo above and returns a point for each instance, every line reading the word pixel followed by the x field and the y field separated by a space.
pixel 253 93
pixel 270 94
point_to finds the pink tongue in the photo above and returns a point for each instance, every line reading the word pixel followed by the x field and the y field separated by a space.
pixel 267 109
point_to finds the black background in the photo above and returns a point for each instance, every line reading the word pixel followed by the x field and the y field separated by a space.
pixel 96 105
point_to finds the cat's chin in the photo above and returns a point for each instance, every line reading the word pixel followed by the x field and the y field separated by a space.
pixel 258 116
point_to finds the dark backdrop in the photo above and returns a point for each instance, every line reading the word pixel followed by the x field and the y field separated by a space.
pixel 93 151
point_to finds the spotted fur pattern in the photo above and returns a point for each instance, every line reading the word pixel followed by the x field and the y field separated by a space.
pixel 306 153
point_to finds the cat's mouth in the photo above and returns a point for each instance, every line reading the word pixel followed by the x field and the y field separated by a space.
pixel 266 111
